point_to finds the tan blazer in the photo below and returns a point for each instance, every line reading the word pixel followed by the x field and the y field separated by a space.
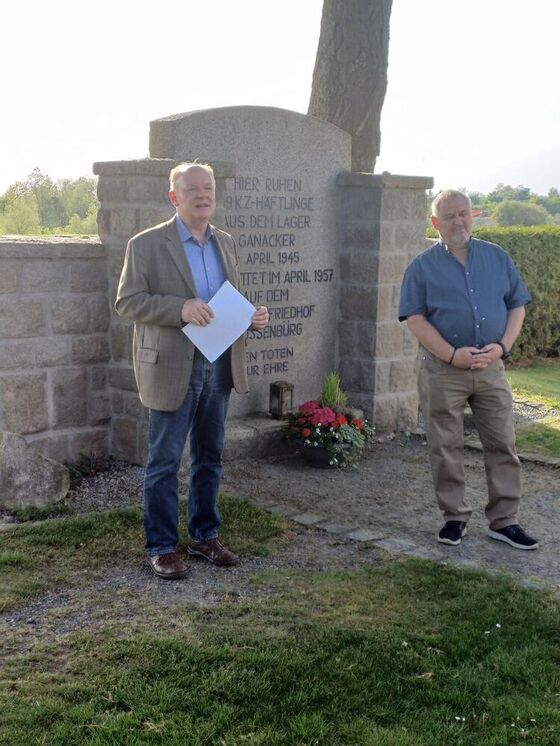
pixel 155 282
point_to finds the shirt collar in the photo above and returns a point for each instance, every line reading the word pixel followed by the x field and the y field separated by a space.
pixel 448 252
pixel 186 235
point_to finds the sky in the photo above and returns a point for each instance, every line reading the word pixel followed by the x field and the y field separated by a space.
pixel 473 97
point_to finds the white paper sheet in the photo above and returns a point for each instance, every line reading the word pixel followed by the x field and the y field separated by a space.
pixel 232 317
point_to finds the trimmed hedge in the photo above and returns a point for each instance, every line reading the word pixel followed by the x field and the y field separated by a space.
pixel 535 251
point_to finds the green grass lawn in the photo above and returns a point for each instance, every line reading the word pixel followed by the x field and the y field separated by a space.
pixel 36 558
pixel 402 653
pixel 540 384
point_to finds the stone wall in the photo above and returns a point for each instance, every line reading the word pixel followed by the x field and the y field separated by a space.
pixel 54 345
pixel 133 197
pixel 66 376
pixel 382 227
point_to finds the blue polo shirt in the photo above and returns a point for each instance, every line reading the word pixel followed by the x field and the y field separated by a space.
pixel 467 304
pixel 205 261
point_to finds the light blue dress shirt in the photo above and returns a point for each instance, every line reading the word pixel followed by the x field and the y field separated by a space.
pixel 204 260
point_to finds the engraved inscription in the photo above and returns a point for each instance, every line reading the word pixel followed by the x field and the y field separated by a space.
pixel 271 219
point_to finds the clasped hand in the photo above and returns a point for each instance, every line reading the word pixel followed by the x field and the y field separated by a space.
pixel 471 358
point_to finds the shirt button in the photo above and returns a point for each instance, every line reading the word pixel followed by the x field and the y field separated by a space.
pixel 472 291
pixel 478 326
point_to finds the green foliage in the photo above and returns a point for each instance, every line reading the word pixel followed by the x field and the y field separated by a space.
pixel 505 192
pixel 41 512
pixel 519 194
pixel 551 203
pixel 38 205
pixel 77 196
pixel 512 212
pixel 536 254
pixel 21 217
pixel 477 198
pixel 51 210
pixel 83 226
pixel 332 394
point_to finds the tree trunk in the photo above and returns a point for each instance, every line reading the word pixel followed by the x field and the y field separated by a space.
pixel 350 76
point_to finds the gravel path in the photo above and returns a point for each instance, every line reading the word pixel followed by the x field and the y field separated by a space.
pixel 121 485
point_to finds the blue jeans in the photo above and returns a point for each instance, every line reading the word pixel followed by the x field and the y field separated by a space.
pixel 202 414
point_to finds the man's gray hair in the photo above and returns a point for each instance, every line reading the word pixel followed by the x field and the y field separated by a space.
pixel 444 194
pixel 184 167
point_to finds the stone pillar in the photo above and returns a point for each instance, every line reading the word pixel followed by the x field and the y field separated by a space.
pixel 382 224
pixel 133 196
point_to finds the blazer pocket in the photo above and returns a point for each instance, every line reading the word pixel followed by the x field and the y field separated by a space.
pixel 146 355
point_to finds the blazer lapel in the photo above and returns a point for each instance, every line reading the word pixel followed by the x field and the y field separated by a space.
pixel 177 252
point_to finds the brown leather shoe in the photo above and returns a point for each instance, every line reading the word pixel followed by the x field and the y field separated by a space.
pixel 169 566
pixel 213 551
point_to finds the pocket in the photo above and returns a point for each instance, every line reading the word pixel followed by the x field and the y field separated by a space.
pixel 495 371
pixel 149 338
pixel 432 364
pixel 147 355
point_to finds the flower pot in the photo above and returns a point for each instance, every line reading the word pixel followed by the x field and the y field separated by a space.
pixel 320 458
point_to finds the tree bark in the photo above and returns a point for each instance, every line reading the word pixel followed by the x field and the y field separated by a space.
pixel 350 76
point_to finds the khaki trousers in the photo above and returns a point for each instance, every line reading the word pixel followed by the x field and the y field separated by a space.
pixel 444 391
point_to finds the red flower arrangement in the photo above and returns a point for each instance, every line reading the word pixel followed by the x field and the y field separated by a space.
pixel 340 433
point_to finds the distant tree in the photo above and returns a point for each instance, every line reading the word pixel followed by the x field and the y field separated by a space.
pixel 51 209
pixel 477 198
pixel 87 225
pixel 505 192
pixel 551 203
pixel 57 205
pixel 77 195
pixel 14 191
pixel 512 212
pixel 21 217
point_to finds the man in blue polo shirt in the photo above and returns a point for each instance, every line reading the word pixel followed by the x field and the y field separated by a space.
pixel 464 301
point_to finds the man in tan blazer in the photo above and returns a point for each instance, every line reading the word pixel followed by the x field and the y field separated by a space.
pixel 170 273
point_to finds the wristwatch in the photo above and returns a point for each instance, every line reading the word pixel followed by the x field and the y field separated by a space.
pixel 505 351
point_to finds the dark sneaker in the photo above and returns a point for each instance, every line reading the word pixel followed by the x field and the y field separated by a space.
pixel 213 551
pixel 452 533
pixel 168 566
pixel 514 536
